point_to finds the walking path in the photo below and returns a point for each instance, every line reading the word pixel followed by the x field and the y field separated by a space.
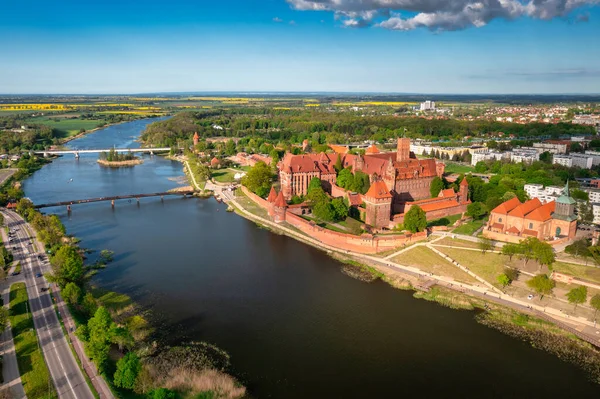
pixel 586 329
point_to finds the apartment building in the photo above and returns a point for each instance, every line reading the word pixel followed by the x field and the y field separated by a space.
pixel 574 160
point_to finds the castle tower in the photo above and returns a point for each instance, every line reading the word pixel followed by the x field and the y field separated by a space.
pixel 403 150
pixel 378 202
pixel 279 209
pixel 463 191
pixel 196 138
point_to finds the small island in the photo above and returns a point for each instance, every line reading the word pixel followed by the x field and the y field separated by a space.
pixel 114 159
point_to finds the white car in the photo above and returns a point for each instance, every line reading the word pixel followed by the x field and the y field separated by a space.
pixel 530 296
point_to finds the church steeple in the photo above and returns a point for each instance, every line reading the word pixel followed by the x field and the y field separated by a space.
pixel 565 205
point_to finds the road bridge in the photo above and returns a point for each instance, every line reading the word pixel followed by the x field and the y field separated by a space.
pixel 76 152
pixel 112 199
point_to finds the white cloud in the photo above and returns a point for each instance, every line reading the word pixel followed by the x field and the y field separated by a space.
pixel 277 19
pixel 438 14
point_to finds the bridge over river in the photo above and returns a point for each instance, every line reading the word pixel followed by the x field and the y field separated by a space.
pixel 76 152
pixel 112 199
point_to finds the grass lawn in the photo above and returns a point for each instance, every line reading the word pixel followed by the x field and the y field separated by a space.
pixel 18 268
pixel 487 266
pixel 250 205
pixel 452 167
pixel 456 242
pixel 588 273
pixel 469 228
pixel 67 127
pixel 223 175
pixel 428 261
pixel 447 221
pixel 113 301
pixel 34 373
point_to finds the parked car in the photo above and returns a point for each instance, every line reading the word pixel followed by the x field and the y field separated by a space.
pixel 38 274
pixel 43 289
pixel 530 296
pixel 15 273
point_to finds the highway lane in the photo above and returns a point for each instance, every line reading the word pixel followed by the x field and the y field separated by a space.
pixel 66 375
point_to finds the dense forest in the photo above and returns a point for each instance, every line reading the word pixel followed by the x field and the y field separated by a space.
pixel 293 126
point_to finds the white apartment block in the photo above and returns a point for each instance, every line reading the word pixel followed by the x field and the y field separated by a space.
pixel 595 157
pixel 547 194
pixel 551 148
pixel 420 149
pixel 489 156
pixel 524 155
pixel 580 160
pixel 427 106
pixel 593 193
pixel 596 211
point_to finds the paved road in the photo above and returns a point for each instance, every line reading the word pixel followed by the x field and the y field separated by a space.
pixel 66 375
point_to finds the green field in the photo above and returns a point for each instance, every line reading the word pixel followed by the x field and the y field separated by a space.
pixel 34 373
pixel 67 127
pixel 452 167
pixel 469 228
pixel 447 221
pixel 223 175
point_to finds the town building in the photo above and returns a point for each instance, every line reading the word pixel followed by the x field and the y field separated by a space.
pixel 596 212
pixel 427 106
pixel 524 155
pixel 593 194
pixel 514 221
pixel 595 157
pixel 490 156
pixel 544 194
pixel 574 160
pixel 551 148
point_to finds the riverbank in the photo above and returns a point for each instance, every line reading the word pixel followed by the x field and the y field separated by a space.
pixel 120 164
pixel 442 290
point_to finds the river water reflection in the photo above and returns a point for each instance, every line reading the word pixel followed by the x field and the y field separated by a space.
pixel 295 326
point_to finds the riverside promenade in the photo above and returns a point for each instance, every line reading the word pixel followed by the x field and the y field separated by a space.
pixel 583 328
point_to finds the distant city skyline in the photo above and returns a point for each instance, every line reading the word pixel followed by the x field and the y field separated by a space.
pixel 372 46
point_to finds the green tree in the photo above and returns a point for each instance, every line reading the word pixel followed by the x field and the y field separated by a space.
pixel 513 274
pixel 595 302
pixel 503 280
pixel 485 244
pixel 361 182
pixel 476 210
pixel 258 179
pixel 437 185
pixel 324 210
pixel 71 293
pixel 340 208
pixel 542 284
pixel 99 341
pixel 511 250
pixel 128 368
pixel 415 219
pixel 579 195
pixel 67 265
pixel 315 183
pixel 577 295
pixel 230 148
pixel 345 179
pixel 543 252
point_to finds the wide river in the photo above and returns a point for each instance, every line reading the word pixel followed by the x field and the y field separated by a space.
pixel 295 326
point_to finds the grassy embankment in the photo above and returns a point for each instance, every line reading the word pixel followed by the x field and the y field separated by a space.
pixel 469 228
pixel 69 127
pixel 452 167
pixel 34 373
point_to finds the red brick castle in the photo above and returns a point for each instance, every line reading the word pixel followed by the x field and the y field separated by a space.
pixel 397 179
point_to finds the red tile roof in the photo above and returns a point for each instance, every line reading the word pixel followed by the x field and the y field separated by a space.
pixel 272 195
pixel 464 182
pixel 280 201
pixel 436 206
pixel 378 190
pixel 507 206
pixel 340 149
pixel 499 226
pixel 372 150
pixel 525 208
pixel 542 213
pixel 196 137
pixel 528 232
pixel 513 230
pixel 449 192
pixel 354 199
pixel 214 161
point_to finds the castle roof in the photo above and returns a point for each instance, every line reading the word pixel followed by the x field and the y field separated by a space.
pixel 372 149
pixel 449 192
pixel 196 137
pixel 507 206
pixel 272 195
pixel 464 182
pixel 214 161
pixel 307 163
pixel 340 149
pixel 280 201
pixel 378 190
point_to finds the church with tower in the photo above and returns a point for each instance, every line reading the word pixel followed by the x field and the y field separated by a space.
pixel 513 220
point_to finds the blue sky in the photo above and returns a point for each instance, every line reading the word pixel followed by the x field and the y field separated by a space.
pixel 417 46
